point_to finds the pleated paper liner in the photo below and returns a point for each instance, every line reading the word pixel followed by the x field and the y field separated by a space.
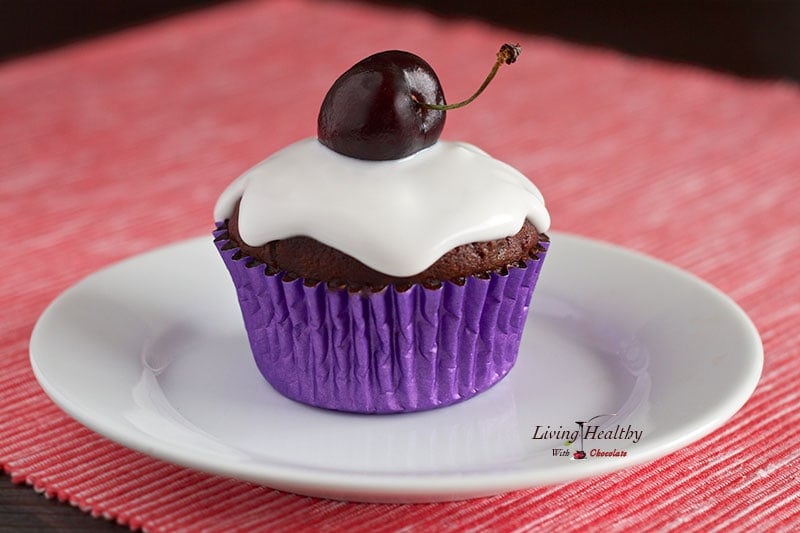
pixel 381 352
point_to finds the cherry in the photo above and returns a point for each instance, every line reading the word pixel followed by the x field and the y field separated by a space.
pixel 389 106
pixel 372 110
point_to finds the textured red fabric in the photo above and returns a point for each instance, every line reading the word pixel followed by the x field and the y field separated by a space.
pixel 112 147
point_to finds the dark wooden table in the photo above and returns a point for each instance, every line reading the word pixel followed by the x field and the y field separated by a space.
pixel 23 509
pixel 745 37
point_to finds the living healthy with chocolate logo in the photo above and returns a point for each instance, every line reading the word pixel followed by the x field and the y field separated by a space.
pixel 604 438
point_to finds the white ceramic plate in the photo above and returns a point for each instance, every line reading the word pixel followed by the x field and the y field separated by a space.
pixel 152 353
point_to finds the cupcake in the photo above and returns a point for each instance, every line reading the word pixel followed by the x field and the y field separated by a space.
pixel 379 269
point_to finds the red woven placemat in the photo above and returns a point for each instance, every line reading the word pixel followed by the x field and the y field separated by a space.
pixel 115 146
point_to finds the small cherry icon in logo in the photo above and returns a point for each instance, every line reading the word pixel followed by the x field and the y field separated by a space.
pixel 580 454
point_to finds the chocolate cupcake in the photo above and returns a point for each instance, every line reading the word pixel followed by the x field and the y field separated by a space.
pixel 382 286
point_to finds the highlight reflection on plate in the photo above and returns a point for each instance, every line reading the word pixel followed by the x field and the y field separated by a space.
pixel 152 353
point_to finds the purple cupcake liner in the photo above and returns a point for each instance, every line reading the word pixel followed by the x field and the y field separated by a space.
pixel 381 352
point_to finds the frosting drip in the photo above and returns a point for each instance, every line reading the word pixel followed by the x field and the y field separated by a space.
pixel 397 217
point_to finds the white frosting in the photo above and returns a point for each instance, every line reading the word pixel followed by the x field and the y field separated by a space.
pixel 397 217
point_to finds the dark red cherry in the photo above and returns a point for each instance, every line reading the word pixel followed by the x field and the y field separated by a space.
pixel 373 110
pixel 390 105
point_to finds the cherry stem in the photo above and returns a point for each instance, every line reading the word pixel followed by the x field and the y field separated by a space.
pixel 507 54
